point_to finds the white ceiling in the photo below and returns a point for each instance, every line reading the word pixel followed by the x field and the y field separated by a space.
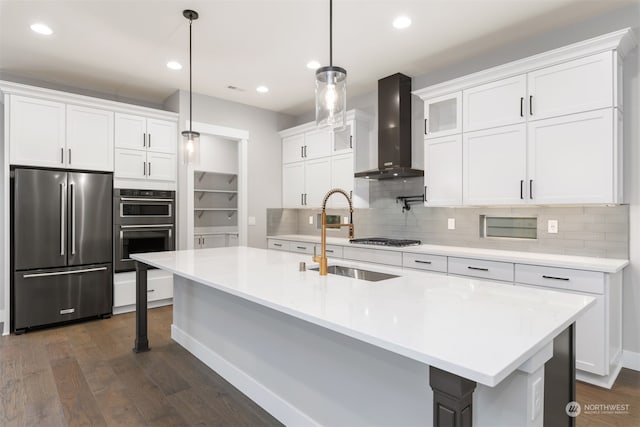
pixel 120 48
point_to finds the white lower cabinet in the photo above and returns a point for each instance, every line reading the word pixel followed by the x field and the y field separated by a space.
pixel 425 262
pixel 159 290
pixel 205 241
pixel 379 256
pixel 599 330
pixel 481 268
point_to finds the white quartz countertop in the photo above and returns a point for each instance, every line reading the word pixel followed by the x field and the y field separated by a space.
pixel 476 329
pixel 606 265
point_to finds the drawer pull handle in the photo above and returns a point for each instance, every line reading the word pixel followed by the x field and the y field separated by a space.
pixel 277 244
pixel 330 251
pixel 477 268
pixel 566 279
pixel 301 247
pixel 150 290
pixel 421 262
pixel 68 311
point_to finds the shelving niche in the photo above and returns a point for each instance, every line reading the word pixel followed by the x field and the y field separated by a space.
pixel 215 209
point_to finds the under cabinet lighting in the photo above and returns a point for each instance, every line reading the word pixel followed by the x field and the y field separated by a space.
pixel 41 29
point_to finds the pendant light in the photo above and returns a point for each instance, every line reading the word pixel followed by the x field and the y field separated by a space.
pixel 191 139
pixel 331 88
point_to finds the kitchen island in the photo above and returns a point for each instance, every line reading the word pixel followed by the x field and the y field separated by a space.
pixel 333 350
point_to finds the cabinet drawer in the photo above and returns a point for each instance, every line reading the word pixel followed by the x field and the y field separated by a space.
pixel 493 270
pixel 301 247
pixel 561 278
pixel 373 255
pixel 160 288
pixel 281 245
pixel 425 262
pixel 333 251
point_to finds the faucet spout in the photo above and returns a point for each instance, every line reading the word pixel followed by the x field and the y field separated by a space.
pixel 322 259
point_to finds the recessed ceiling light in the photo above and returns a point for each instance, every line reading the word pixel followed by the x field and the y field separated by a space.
pixel 402 22
pixel 174 65
pixel 262 89
pixel 41 29
pixel 313 65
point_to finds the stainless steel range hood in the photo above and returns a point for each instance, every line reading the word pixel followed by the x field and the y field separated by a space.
pixel 394 130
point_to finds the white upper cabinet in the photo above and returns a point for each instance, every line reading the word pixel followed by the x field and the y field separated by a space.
pixel 580 85
pixel 318 143
pixel 89 138
pixel 293 149
pixel 36 132
pixel 317 181
pixel 443 115
pixel 162 136
pixel 131 164
pixel 342 177
pixel 54 134
pixel 495 162
pixel 571 159
pixel 130 132
pixel 495 104
pixel 443 171
pixel 293 185
pixel 343 139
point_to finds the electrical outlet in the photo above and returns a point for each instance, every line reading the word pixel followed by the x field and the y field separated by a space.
pixel 251 220
pixel 311 219
pixel 536 399
pixel 552 226
pixel 451 223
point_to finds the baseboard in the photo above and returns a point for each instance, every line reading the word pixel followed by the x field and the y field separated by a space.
pixel 631 360
pixel 264 397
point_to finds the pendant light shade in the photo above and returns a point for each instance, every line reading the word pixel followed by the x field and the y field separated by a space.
pixel 331 88
pixel 190 139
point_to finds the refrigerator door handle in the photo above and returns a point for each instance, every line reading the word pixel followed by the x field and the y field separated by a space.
pixel 62 218
pixel 73 218
pixel 63 273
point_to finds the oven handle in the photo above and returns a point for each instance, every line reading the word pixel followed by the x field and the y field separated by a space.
pixel 135 199
pixel 148 226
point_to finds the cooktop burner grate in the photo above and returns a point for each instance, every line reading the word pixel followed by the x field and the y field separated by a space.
pixel 382 241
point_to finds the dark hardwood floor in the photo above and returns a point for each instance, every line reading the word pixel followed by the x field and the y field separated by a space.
pixel 86 374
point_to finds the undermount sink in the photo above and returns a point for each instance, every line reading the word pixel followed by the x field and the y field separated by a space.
pixel 357 273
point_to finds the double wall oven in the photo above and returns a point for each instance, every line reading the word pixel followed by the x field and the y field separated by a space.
pixel 144 221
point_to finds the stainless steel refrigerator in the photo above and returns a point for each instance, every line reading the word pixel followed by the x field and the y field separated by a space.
pixel 61 248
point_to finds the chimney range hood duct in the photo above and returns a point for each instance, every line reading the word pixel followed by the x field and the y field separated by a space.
pixel 394 130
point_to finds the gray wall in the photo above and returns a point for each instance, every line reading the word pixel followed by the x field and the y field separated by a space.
pixel 628 16
pixel 264 154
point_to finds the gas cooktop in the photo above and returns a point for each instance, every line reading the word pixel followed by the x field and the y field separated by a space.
pixel 382 241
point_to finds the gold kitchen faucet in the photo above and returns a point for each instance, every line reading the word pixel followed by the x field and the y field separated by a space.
pixel 322 259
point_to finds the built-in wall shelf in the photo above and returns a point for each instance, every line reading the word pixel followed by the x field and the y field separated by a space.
pixel 215 204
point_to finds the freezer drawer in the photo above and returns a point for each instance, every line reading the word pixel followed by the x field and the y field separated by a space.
pixel 44 297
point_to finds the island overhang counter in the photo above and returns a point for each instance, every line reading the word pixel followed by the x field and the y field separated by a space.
pixel 331 350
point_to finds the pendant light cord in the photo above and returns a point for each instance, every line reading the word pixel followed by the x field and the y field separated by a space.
pixel 330 33
pixel 190 84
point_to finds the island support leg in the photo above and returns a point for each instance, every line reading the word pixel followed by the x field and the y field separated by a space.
pixel 142 343
pixel 452 399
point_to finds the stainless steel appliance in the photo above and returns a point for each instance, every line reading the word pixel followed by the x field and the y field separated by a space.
pixel 383 241
pixel 144 222
pixel 61 246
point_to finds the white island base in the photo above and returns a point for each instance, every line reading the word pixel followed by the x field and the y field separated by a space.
pixel 304 374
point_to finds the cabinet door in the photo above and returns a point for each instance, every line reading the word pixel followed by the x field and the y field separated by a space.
pixel 571 158
pixel 215 241
pixel 162 136
pixel 130 131
pixel 318 143
pixel 232 240
pixel 494 164
pixel 161 167
pixel 495 104
pixel 571 87
pixel 36 132
pixel 130 164
pixel 443 115
pixel 89 138
pixel 197 241
pixel 343 139
pixel 317 180
pixel 293 185
pixel 443 171
pixel 341 177
pixel 293 149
